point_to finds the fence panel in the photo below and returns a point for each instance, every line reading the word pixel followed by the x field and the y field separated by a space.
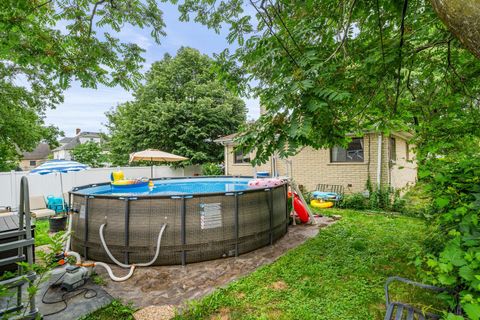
pixel 50 184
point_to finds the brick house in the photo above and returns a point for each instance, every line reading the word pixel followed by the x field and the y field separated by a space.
pixel 387 160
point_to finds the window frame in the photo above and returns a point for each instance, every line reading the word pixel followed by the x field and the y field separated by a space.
pixel 393 149
pixel 32 163
pixel 346 150
pixel 245 159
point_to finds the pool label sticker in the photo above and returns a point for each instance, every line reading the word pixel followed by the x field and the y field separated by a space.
pixel 210 215
pixel 82 211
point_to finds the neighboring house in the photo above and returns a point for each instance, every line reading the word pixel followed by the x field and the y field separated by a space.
pixel 36 157
pixel 387 160
pixel 67 144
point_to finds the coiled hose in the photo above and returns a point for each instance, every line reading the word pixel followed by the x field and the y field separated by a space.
pixel 123 265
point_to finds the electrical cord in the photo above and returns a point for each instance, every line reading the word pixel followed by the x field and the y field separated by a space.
pixel 66 296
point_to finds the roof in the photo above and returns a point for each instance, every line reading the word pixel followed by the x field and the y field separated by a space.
pixel 70 143
pixel 41 151
pixel 228 138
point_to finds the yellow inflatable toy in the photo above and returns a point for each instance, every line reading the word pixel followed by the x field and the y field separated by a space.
pixel 118 181
pixel 321 204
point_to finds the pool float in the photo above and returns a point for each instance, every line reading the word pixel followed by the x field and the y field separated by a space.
pixel 333 196
pixel 265 183
pixel 119 182
pixel 320 204
pixel 299 208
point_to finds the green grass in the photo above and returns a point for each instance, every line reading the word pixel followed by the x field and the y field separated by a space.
pixel 41 232
pixel 115 310
pixel 337 275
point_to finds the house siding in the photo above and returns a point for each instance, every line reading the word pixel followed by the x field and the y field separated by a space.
pixel 311 167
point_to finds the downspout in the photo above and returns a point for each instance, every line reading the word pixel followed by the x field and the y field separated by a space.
pixel 379 161
pixel 225 157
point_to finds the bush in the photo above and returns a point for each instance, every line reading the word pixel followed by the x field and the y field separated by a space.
pixel 354 201
pixel 454 261
pixel 212 169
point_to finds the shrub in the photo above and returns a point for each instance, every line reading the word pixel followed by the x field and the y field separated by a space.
pixel 353 201
pixel 454 261
pixel 212 169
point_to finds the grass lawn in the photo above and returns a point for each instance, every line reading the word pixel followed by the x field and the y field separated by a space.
pixel 337 275
pixel 41 232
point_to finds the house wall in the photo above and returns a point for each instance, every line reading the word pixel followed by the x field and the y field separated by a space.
pixel 403 172
pixel 311 167
pixel 25 164
pixel 62 155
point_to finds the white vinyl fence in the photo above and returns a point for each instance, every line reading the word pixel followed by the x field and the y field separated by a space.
pixel 49 184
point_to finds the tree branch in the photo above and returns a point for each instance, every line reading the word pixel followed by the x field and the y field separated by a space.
pixel 345 33
pixel 92 16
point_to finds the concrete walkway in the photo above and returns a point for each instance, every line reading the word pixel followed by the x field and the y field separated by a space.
pixel 165 287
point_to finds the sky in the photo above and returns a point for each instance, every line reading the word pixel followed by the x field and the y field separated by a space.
pixel 85 108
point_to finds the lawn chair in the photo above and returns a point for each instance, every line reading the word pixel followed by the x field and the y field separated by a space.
pixel 399 310
pixel 38 208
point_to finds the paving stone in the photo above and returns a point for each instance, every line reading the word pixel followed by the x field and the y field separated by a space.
pixel 175 285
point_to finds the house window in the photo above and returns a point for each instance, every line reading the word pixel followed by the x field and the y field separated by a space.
pixel 353 153
pixel 393 149
pixel 240 157
pixel 33 163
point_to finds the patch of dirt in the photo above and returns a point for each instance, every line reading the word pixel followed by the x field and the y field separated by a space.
pixel 166 312
pixel 222 314
pixel 279 286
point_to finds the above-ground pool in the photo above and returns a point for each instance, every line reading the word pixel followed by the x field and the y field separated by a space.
pixel 206 218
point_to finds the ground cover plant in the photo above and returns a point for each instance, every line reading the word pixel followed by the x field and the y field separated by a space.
pixel 339 274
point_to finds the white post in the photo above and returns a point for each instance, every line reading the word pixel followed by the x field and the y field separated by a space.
pixel 13 190
pixel 379 161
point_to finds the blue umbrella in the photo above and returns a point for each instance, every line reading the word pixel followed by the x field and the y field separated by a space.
pixel 60 166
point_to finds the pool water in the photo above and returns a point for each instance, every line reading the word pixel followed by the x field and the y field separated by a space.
pixel 175 187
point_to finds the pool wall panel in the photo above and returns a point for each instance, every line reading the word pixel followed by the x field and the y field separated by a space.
pixel 133 225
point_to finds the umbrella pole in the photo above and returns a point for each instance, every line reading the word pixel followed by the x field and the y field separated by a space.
pixel 61 190
pixel 151 168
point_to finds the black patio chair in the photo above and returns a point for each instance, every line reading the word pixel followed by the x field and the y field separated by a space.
pixel 400 311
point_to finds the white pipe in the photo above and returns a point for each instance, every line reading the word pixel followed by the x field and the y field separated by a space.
pixel 110 273
pixel 159 240
pixel 69 232
pixel 379 161
pixel 74 254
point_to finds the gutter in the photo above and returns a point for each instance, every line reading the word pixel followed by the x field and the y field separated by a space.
pixel 379 161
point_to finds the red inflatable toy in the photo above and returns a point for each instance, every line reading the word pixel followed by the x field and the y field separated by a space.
pixel 300 209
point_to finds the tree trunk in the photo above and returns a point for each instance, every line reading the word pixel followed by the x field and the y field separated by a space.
pixel 462 17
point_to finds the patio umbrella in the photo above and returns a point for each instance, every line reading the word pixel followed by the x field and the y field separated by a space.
pixel 155 155
pixel 60 166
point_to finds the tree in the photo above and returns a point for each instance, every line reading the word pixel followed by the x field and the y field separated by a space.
pixel 45 45
pixel 182 108
pixel 89 153
pixel 327 68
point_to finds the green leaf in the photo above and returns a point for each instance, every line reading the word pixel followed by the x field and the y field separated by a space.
pixel 442 202
pixel 472 311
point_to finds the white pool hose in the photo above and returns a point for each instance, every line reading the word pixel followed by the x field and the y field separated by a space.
pixel 69 232
pixel 78 259
pixel 110 273
pixel 159 240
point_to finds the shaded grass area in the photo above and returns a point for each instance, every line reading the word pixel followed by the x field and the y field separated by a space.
pixel 337 275
pixel 41 232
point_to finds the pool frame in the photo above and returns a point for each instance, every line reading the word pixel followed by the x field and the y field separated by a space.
pixel 250 219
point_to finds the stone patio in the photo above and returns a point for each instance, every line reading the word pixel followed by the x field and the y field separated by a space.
pixel 174 285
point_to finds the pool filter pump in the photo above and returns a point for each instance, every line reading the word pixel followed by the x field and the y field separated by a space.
pixel 75 277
